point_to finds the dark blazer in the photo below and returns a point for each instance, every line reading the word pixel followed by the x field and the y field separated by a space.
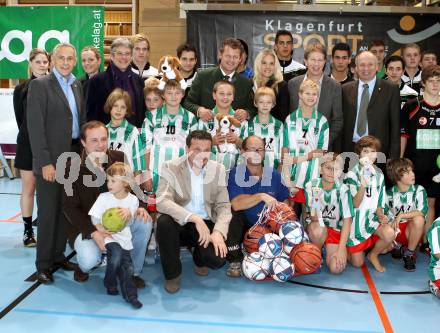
pixel 329 103
pixel 282 109
pixel 76 208
pixel 49 119
pixel 383 116
pixel 200 93
pixel 100 87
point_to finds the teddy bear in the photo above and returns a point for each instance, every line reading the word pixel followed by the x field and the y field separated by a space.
pixel 169 70
pixel 227 124
pixel 316 205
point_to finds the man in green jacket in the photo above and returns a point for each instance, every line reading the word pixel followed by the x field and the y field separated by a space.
pixel 200 100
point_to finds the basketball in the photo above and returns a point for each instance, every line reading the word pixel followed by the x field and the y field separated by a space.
pixel 252 236
pixel 281 269
pixel 255 266
pixel 291 233
pixel 270 246
pixel 278 215
pixel 306 257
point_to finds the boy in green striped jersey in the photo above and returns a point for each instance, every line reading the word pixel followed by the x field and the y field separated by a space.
pixel 223 95
pixel 370 227
pixel 164 132
pixel 305 139
pixel 407 207
pixel 122 135
pixel 266 126
pixel 434 265
pixel 330 207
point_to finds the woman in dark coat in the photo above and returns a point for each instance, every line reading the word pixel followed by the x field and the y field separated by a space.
pixel 38 66
pixel 267 73
pixel 90 60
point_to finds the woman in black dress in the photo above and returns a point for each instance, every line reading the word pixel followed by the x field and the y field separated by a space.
pixel 267 73
pixel 38 66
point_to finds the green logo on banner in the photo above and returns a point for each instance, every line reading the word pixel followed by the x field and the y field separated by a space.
pixel 24 28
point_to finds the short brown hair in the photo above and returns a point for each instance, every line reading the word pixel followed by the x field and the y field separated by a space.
pixel 330 157
pixel 172 84
pixel 233 44
pixel 198 135
pixel 91 125
pixel 36 51
pixel 115 96
pixel 377 42
pixel 223 82
pixel 397 167
pixel 265 91
pixel 429 72
pixel 367 141
pixel 123 170
pixel 315 47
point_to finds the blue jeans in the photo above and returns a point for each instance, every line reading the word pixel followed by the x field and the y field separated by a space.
pixel 88 253
pixel 119 267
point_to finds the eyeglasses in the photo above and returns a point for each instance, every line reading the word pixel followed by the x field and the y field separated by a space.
pixel 122 54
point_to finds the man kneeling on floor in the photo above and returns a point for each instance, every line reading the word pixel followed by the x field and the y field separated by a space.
pixel 251 186
pixel 195 211
pixel 87 241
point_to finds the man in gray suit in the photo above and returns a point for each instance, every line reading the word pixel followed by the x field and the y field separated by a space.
pixel 55 114
pixel 329 100
pixel 371 107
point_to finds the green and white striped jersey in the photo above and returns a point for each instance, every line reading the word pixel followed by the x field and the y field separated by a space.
pixel 301 136
pixel 126 138
pixel 365 222
pixel 164 136
pixel 434 245
pixel 229 160
pixel 404 202
pixel 336 204
pixel 271 133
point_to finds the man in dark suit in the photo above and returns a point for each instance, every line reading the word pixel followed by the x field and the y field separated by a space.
pixel 117 75
pixel 371 106
pixel 200 101
pixel 55 114
pixel 329 103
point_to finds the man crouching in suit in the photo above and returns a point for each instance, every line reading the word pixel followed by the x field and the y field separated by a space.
pixel 194 207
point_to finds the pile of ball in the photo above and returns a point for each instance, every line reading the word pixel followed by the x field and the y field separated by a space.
pixel 278 247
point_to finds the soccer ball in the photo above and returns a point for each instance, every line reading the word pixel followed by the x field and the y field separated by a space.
pixel 255 266
pixel 291 233
pixel 270 246
pixel 281 269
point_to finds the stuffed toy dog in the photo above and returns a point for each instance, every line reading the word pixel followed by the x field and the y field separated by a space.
pixel 169 70
pixel 227 124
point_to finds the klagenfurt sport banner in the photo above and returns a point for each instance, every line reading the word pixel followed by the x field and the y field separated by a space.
pixel 24 28
pixel 206 29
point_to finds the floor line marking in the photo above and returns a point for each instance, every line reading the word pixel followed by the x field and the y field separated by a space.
pixel 377 301
pixel 28 291
pixel 189 322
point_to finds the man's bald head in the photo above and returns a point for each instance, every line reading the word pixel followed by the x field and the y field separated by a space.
pixel 366 66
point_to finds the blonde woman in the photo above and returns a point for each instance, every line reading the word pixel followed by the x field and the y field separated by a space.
pixel 268 74
pixel 38 67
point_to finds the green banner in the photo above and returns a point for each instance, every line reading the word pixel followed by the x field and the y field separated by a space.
pixel 24 28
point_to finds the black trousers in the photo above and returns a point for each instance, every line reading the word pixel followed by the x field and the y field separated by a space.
pixel 52 226
pixel 171 236
pixel 119 266
pixel 237 228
